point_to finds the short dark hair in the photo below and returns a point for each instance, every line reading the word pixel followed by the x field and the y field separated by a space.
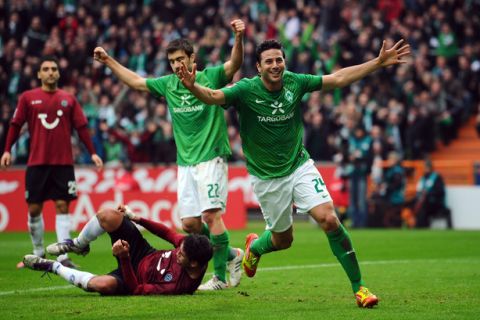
pixel 198 248
pixel 267 45
pixel 48 58
pixel 180 44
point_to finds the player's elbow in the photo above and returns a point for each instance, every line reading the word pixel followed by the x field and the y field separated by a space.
pixel 333 81
pixel 339 81
pixel 138 83
pixel 216 97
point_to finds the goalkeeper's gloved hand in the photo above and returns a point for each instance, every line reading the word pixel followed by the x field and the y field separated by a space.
pixel 129 213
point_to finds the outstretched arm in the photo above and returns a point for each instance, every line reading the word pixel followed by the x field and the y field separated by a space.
pixel 126 75
pixel 156 228
pixel 204 94
pixel 386 57
pixel 236 60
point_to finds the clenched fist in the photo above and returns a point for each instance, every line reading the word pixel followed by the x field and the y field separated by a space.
pixel 238 27
pixel 100 55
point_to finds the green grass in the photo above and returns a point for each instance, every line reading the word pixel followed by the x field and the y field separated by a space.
pixel 416 274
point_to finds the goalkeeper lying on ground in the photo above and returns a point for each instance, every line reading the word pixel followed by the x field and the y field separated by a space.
pixel 142 269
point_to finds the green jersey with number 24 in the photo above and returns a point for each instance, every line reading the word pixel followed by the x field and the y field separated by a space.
pixel 271 124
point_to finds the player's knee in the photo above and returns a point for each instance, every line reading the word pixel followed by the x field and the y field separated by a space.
pixel 212 217
pixel 192 225
pixel 61 206
pixel 109 219
pixel 282 241
pixel 104 214
pixel 331 222
pixel 34 210
pixel 325 216
pixel 102 285
pixel 284 244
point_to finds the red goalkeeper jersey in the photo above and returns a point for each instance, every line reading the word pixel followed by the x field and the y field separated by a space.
pixel 159 272
pixel 51 117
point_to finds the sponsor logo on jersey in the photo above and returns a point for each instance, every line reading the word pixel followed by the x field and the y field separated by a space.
pixel 188 109
pixel 34 102
pixel 185 98
pixel 186 105
pixel 50 125
pixel 277 106
pixel 282 117
pixel 259 101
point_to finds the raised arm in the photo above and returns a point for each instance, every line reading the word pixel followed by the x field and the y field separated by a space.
pixel 156 228
pixel 236 59
pixel 204 94
pixel 126 75
pixel 386 57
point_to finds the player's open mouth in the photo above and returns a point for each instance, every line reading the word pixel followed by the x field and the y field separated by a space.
pixel 276 74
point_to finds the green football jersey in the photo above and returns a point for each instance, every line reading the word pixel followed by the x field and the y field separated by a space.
pixel 199 130
pixel 271 124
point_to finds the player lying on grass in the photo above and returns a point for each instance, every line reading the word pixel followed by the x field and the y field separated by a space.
pixel 142 270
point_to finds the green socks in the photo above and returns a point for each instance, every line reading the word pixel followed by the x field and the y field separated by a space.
pixel 221 252
pixel 263 244
pixel 231 252
pixel 341 246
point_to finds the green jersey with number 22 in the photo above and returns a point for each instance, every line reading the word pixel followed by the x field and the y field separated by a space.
pixel 200 130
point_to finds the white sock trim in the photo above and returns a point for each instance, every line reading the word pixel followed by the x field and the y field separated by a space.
pixel 62 226
pixel 36 226
pixel 91 231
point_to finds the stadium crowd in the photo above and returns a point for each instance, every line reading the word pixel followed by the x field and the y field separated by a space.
pixel 408 109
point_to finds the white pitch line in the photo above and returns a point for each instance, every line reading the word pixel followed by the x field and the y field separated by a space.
pixel 6 293
pixel 294 267
pixel 336 264
pixel 377 262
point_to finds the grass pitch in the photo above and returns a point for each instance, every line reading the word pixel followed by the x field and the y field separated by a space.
pixel 416 274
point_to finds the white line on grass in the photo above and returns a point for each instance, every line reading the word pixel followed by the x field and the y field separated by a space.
pixel 6 293
pixel 377 262
pixel 279 268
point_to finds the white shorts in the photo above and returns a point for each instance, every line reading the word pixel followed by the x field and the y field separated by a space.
pixel 304 188
pixel 202 187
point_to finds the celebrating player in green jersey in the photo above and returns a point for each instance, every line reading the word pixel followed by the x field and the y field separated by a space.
pixel 200 134
pixel 282 172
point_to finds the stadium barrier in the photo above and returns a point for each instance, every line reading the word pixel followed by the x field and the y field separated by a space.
pixel 156 198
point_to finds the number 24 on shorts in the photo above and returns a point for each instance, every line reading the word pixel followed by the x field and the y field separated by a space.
pixel 318 183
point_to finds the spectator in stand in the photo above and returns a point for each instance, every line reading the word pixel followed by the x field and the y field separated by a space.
pixel 358 169
pixel 430 202
pixel 393 191
pixel 316 137
pixel 320 34
pixel 477 121
pixel 135 143
pixel 126 180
